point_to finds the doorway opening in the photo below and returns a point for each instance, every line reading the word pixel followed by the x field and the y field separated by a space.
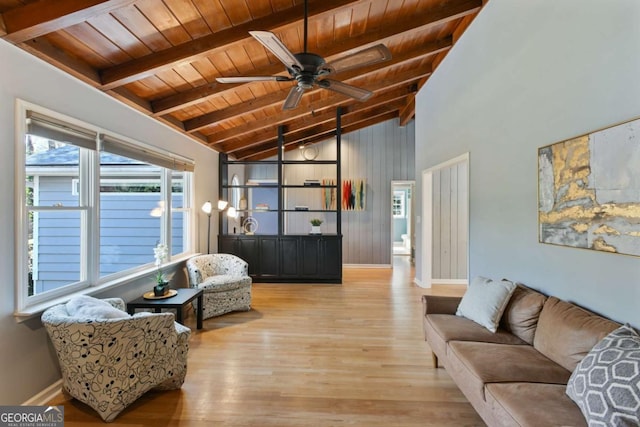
pixel 402 219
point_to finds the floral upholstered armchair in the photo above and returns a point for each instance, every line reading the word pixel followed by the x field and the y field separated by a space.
pixel 225 280
pixel 108 358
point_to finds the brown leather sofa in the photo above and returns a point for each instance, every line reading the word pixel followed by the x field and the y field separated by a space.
pixel 518 375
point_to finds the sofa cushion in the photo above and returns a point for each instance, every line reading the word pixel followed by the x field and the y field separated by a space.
pixel 485 301
pixel 521 315
pixel 441 328
pixel 566 332
pixel 474 364
pixel 606 383
pixel 532 405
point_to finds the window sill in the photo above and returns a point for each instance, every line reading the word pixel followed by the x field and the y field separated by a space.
pixel 36 309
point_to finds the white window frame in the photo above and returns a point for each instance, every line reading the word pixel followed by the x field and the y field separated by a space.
pixel 399 196
pixel 89 188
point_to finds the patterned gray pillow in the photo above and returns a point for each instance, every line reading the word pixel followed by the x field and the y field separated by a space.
pixel 606 383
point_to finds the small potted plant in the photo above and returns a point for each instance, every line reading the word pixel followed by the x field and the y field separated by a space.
pixel 160 253
pixel 315 226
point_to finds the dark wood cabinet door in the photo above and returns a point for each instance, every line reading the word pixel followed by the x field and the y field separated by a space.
pixel 269 256
pixel 289 256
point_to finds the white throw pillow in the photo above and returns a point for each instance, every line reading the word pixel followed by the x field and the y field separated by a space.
pixel 87 307
pixel 485 301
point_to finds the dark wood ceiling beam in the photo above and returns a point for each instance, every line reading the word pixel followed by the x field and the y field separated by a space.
pixel 303 121
pixel 296 136
pixel 46 16
pixel 407 112
pixel 276 98
pixel 451 10
pixel 398 80
pixel 44 50
pixel 3 27
pixel 143 67
pixel 364 122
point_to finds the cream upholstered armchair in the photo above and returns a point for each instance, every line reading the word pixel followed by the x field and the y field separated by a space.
pixel 109 359
pixel 225 280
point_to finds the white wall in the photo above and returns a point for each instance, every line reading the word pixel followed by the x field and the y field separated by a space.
pixel 26 356
pixel 524 75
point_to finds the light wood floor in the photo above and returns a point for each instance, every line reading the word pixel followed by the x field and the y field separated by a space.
pixel 309 355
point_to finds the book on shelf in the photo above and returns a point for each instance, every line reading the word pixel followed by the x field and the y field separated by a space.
pixel 302 208
pixel 262 207
pixel 312 182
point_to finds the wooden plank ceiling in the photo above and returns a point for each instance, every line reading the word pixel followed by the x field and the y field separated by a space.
pixel 163 56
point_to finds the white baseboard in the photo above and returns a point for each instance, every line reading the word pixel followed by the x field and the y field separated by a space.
pixel 449 281
pixel 45 395
pixel 421 284
pixel 366 265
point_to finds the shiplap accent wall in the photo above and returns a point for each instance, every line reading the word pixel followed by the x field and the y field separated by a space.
pixel 450 205
pixel 379 154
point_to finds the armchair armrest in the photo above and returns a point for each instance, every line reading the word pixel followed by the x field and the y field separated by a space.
pixel 432 304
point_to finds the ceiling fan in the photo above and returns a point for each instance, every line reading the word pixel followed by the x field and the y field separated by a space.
pixel 309 69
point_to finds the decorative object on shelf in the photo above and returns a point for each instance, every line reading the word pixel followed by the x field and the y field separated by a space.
pixel 262 207
pixel 250 225
pixel 328 194
pixel 312 183
pixel 589 191
pixel 309 152
pixel 160 253
pixel 315 226
pixel 243 203
pixel 207 208
pixel 353 194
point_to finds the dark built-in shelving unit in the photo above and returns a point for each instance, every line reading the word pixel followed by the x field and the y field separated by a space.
pixel 287 258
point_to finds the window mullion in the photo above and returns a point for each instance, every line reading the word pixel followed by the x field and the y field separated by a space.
pixel 165 194
pixel 90 198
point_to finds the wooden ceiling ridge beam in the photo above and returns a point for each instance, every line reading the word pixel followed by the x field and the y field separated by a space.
pixel 145 66
pixel 348 118
pixel 302 121
pixel 42 17
pixel 363 121
pixel 399 79
pixel 277 98
pixel 451 10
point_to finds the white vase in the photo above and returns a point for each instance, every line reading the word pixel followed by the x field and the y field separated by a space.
pixel 315 229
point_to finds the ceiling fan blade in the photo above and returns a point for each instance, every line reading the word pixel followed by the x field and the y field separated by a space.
pixel 247 79
pixel 275 46
pixel 293 99
pixel 364 57
pixel 345 89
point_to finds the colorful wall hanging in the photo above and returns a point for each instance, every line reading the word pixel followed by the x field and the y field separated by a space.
pixel 354 194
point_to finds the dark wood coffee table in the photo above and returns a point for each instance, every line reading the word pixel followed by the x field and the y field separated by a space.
pixel 177 302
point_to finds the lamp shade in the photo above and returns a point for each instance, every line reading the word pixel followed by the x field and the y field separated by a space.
pixel 206 208
pixel 222 204
pixel 232 212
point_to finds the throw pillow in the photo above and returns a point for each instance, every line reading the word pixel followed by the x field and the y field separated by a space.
pixel 485 301
pixel 87 307
pixel 606 382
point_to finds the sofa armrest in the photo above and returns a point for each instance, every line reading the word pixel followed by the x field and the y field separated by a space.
pixel 432 304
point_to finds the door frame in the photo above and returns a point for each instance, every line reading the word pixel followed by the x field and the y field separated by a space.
pixel 427 218
pixel 411 218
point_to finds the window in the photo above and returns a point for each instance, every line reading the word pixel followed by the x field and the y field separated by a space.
pixel 399 204
pixel 93 206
